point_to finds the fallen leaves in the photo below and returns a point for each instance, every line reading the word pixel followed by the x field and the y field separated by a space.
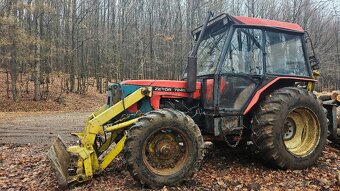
pixel 25 167
pixel 71 101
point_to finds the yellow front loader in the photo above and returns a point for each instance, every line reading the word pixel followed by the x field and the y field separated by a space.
pixel 88 162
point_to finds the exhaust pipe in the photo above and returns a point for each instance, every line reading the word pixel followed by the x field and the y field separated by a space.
pixel 192 59
pixel 191 74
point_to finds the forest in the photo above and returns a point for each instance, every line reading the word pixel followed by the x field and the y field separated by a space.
pixel 86 43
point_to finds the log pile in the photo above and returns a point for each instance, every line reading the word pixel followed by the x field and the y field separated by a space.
pixel 333 97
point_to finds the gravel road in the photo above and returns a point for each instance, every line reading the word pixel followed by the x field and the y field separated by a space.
pixel 40 128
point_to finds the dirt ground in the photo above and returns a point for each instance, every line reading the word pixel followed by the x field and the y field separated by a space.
pixel 40 128
pixel 26 137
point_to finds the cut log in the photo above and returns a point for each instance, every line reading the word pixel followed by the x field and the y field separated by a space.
pixel 316 93
pixel 334 95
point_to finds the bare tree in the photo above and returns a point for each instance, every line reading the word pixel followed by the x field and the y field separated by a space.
pixel 91 42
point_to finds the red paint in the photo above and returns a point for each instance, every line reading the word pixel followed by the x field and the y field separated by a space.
pixel 222 85
pixel 259 92
pixel 210 88
pixel 267 22
pixel 157 95
pixel 166 83
pixel 133 108
pixel 155 101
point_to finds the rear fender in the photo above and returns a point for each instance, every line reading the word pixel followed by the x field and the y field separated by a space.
pixel 276 83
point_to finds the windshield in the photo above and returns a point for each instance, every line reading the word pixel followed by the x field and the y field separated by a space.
pixel 245 52
pixel 209 51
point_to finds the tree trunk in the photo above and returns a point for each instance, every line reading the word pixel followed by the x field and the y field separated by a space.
pixel 37 60
pixel 73 47
pixel 14 69
pixel 7 83
pixel 13 53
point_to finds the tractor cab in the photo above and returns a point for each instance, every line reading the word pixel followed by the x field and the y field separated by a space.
pixel 237 56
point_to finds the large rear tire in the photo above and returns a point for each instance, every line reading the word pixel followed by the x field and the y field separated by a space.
pixel 290 128
pixel 165 147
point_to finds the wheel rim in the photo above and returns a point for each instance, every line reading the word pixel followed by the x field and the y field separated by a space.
pixel 301 132
pixel 165 151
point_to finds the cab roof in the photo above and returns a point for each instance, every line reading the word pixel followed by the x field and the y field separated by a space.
pixel 268 23
pixel 224 19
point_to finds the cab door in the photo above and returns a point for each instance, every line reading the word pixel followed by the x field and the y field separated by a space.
pixel 241 70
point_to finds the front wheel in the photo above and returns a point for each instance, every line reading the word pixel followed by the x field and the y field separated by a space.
pixel 164 147
pixel 290 128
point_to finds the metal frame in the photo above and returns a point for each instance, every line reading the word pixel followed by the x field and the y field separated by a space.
pixel 88 163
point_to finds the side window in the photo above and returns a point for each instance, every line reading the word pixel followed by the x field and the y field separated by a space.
pixel 209 53
pixel 245 52
pixel 285 54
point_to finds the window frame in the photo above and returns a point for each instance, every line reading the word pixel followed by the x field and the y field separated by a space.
pixel 263 29
pixel 225 36
pixel 225 51
pixel 304 50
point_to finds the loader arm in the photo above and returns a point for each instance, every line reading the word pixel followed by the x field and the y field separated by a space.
pixel 88 162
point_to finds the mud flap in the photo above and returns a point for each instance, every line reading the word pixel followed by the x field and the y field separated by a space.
pixel 60 161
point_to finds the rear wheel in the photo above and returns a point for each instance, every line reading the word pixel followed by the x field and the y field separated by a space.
pixel 164 147
pixel 290 128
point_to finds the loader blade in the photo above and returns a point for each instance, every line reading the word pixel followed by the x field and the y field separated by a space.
pixel 60 161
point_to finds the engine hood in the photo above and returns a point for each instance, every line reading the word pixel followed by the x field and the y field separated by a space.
pixel 166 87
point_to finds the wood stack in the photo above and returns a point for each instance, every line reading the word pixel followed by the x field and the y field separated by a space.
pixel 332 97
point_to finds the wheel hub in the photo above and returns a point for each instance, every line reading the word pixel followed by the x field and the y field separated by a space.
pixel 289 129
pixel 166 149
pixel 165 152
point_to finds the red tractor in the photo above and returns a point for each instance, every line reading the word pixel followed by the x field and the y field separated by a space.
pixel 248 80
